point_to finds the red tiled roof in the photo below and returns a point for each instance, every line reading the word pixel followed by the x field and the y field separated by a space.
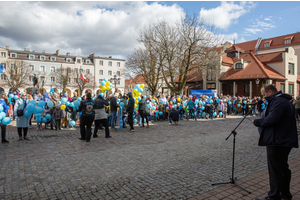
pixel 254 69
pixel 226 59
pixel 270 57
pixel 247 46
pixel 138 79
pixel 279 41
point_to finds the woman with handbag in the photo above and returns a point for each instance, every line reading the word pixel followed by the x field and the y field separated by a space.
pixel 21 119
pixel 144 111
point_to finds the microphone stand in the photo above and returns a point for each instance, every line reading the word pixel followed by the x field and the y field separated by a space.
pixel 232 179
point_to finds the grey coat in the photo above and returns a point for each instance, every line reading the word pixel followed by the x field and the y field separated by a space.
pixel 22 122
pixel 100 114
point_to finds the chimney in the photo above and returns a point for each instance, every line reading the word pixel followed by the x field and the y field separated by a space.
pixel 7 47
pixel 57 52
pixel 92 55
pixel 43 51
pixel 68 53
pixel 26 49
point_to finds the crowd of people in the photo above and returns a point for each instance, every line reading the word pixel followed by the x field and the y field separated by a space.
pixel 104 110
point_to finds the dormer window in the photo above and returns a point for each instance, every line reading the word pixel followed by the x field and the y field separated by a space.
pixel 31 57
pixel 68 60
pixel 288 41
pixel 238 66
pixel 13 55
pixel 78 61
pixel 87 62
pixel 53 59
pixel 42 58
pixel 267 44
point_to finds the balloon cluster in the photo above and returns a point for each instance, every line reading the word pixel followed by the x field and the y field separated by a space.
pixel 138 90
pixel 105 85
pixel 5 120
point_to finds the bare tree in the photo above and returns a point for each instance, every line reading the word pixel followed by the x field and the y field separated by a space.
pixel 179 48
pixel 90 83
pixel 62 77
pixel 17 74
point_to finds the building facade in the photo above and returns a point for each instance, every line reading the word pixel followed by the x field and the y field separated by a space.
pixel 48 69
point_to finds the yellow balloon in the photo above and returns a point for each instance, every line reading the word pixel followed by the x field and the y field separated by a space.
pixel 136 101
pixel 171 102
pixel 108 87
pixel 135 105
pixel 104 88
pixel 107 83
pixel 135 91
pixel 178 99
pixel 63 107
pixel 100 86
pixel 142 86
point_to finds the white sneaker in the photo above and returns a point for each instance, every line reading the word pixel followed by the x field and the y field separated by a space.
pixel 170 123
pixel 132 130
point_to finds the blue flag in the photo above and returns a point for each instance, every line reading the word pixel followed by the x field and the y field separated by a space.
pixel 1 69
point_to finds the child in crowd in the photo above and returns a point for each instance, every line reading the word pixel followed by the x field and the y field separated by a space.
pixel 58 115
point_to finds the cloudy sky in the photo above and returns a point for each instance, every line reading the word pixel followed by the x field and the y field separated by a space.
pixel 111 28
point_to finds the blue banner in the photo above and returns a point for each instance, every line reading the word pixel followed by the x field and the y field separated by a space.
pixel 198 93
pixel 1 69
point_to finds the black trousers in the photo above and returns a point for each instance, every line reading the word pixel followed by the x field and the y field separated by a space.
pixel 86 127
pixel 3 132
pixel 24 131
pixel 143 118
pixel 279 172
pixel 130 119
pixel 98 124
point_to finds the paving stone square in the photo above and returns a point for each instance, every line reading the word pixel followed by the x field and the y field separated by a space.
pixel 160 162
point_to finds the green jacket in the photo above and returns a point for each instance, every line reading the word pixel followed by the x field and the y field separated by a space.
pixel 143 108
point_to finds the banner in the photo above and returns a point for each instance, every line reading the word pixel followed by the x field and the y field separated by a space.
pixel 198 93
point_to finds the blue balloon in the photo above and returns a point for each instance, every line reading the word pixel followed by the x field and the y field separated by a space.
pixel 1 117
pixel 239 105
pixel 203 114
pixel 11 96
pixel 1 108
pixel 76 103
pixel 184 104
pixel 153 108
pixel 6 120
pixel 16 97
pixel 33 102
pixel 41 104
pixel 68 103
pixel 214 114
pixel 38 115
pixel 44 120
pixel 64 100
pixel 157 112
pixel 103 83
pixel 134 98
pixel 72 123
pixel 105 79
pixel 72 105
pixel 48 116
pixel 118 100
pixel 218 100
pixel 27 113
pixel 220 113
pixel 122 104
pixel 30 107
pixel 202 108
pixel 79 98
pixel 37 110
pixel 135 121
pixel 139 98
pixel 94 98
pixel 52 90
pixel 160 113
pixel 229 102
pixel 244 102
pixel 38 120
pixel 101 94
pixel 156 116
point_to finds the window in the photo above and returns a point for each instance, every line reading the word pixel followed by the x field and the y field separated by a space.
pixel 78 61
pixel 52 79
pixel 118 64
pixel 69 70
pixel 3 65
pixel 87 62
pixel 3 77
pixel 68 60
pixel 87 71
pixel 52 69
pixel 238 66
pixel 118 73
pixel 69 80
pixel 42 57
pixel 100 72
pixel 282 87
pixel 13 55
pixel 53 58
pixel 109 72
pixel 291 89
pixel 76 70
pixel 288 41
pixel 101 62
pixel 267 44
pixel 3 54
pixel 31 67
pixel 109 63
pixel 247 88
pixel 291 68
pixel 118 82
pixel 31 57
pixel 12 66
pixel 42 68
pixel 81 70
pixel 75 80
pixel 100 80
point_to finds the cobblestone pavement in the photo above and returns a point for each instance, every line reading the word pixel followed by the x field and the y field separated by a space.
pixel 160 162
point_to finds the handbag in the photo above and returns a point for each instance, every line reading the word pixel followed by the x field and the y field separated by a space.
pixel 20 112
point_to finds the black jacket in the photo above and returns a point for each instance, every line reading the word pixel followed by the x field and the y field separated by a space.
pixel 130 105
pixel 277 126
pixel 87 108
pixel 174 114
pixel 113 104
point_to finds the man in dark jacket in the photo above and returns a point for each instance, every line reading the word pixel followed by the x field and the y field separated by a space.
pixel 87 108
pixel 129 110
pixel 174 116
pixel 113 110
pixel 100 116
pixel 278 132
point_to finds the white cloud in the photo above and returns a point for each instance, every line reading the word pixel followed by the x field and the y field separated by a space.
pixel 253 30
pixel 81 28
pixel 225 14
pixel 261 24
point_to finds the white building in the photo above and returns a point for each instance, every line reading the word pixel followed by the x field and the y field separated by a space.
pixel 46 66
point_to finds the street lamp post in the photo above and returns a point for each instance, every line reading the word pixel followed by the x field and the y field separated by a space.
pixel 114 80
pixel 257 82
